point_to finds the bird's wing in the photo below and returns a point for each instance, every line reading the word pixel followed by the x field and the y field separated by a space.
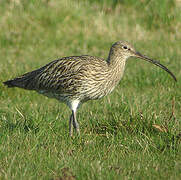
pixel 63 75
pixel 66 74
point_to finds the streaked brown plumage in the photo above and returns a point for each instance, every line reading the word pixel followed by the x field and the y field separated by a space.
pixel 76 79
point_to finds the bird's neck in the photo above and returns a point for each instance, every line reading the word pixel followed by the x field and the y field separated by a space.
pixel 116 64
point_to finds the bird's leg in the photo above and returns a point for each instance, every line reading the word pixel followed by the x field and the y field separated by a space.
pixel 70 124
pixel 75 123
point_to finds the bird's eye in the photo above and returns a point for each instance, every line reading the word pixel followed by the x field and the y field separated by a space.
pixel 125 47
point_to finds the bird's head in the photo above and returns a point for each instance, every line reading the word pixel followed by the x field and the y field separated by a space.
pixel 123 48
pixel 126 50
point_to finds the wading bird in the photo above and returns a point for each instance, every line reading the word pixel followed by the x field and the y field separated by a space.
pixel 77 79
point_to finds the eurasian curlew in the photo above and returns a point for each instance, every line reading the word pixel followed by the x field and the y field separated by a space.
pixel 77 79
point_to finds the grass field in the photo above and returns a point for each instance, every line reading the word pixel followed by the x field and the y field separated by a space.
pixel 134 133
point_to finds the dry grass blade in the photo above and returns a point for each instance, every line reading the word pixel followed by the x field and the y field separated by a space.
pixel 160 128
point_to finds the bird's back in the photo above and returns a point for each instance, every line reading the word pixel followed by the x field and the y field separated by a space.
pixel 68 76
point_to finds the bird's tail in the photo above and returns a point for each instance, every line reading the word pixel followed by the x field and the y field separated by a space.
pixel 25 81
pixel 10 83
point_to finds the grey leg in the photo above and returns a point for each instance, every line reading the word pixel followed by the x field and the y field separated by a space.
pixel 70 124
pixel 75 123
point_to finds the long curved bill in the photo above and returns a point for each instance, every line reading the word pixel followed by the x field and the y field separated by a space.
pixel 139 55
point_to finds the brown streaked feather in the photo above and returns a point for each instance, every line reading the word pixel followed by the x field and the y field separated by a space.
pixel 63 75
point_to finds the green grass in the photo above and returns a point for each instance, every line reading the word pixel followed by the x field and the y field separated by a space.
pixel 118 136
